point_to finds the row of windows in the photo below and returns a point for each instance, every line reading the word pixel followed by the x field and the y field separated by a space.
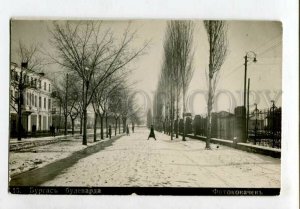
pixel 32 81
pixel 31 100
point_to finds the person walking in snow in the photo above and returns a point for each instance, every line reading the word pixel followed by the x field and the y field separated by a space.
pixel 132 128
pixel 152 133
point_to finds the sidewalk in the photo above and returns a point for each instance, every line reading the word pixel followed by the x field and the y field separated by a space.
pixel 134 161
pixel 37 155
pixel 25 143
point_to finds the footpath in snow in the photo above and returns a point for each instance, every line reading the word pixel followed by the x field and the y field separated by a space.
pixel 34 157
pixel 135 161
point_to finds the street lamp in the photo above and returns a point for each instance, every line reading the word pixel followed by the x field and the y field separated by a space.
pixel 250 56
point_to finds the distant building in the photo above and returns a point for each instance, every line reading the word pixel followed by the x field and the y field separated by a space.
pixel 37 101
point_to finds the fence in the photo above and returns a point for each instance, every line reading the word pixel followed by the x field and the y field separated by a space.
pixel 264 127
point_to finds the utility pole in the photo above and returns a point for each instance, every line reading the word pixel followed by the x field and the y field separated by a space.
pixel 247 116
pixel 253 57
pixel 245 80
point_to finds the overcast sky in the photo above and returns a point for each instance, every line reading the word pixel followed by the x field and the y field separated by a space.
pixel 262 37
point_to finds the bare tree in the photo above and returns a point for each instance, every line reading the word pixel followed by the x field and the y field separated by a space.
pixel 115 101
pixel 217 38
pixel 28 57
pixel 181 35
pixel 93 53
pixel 66 92
pixel 100 101
pixel 176 73
pixel 170 74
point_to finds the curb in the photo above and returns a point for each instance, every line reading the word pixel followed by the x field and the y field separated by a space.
pixel 276 153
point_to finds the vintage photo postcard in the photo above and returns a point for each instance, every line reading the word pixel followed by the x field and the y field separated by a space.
pixel 147 107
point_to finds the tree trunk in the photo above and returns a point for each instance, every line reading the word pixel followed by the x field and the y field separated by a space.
pixel 124 124
pixel 59 122
pixel 209 108
pixel 177 113
pixel 95 127
pixel 119 119
pixel 106 125
pixel 101 123
pixel 84 109
pixel 172 112
pixel 81 117
pixel 183 117
pixel 84 136
pixel 73 120
pixel 66 124
pixel 19 119
pixel 116 126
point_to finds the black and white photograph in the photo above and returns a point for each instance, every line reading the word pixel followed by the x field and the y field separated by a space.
pixel 183 107
pixel 124 104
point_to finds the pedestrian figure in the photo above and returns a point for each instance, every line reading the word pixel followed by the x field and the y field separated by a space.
pixel 53 130
pixel 109 131
pixel 151 133
pixel 132 127
pixel 127 130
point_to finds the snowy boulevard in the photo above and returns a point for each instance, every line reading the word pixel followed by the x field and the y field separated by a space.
pixel 135 161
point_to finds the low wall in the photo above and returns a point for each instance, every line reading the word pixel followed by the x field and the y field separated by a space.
pixel 276 153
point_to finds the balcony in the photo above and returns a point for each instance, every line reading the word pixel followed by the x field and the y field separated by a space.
pixel 27 110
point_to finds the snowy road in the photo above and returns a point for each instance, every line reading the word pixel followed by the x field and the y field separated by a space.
pixel 134 161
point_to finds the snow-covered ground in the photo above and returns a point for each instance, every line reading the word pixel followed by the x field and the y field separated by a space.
pixel 31 158
pixel 135 161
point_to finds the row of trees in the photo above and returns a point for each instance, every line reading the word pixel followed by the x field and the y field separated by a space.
pixel 113 100
pixel 95 69
pixel 177 71
pixel 96 61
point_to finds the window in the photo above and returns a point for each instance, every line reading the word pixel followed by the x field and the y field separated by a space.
pixel 27 100
pixel 32 100
pixel 49 104
pixel 35 102
pixel 40 84
pixel 45 103
pixel 49 87
pixel 40 102
pixel 45 86
pixel 35 83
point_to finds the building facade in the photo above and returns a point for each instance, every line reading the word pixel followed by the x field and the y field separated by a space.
pixel 36 101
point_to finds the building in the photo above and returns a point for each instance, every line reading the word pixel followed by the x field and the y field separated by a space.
pixel 36 101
